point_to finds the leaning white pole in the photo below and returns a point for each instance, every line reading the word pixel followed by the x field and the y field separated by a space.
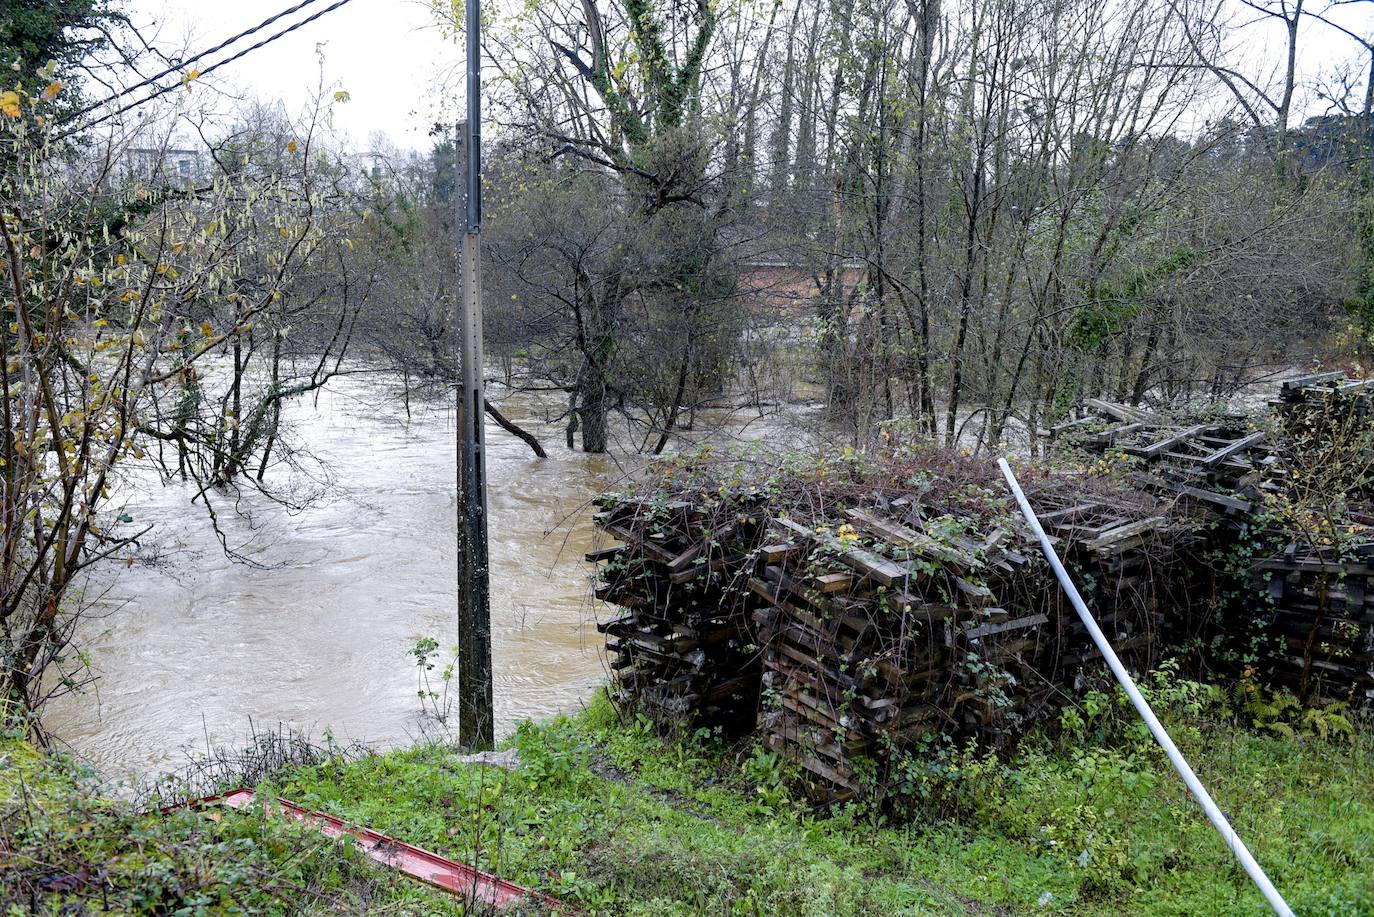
pixel 1223 826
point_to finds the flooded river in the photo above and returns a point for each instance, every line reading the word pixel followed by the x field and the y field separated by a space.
pixel 315 632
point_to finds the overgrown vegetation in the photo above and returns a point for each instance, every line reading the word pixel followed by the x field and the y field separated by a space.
pixel 984 213
pixel 69 849
pixel 605 814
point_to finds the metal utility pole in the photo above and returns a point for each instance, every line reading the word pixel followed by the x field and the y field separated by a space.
pixel 476 722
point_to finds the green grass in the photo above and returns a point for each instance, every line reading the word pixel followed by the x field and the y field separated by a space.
pixel 608 816
pixel 67 848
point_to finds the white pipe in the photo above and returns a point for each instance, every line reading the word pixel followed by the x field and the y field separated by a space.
pixel 1223 826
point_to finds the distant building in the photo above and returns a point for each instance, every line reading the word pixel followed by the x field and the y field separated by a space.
pixel 780 277
pixel 164 165
pixel 784 292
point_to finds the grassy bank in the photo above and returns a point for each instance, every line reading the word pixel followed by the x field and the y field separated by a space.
pixel 66 847
pixel 606 815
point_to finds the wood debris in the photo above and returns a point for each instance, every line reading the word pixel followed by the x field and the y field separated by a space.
pixel 892 616
pixel 850 615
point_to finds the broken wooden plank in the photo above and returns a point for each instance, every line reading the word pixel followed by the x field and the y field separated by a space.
pixel 1291 385
pixel 834 582
pixel 680 562
pixel 864 561
pixel 1123 532
pixel 900 535
pixel 988 630
pixel 1155 449
pixel 1120 411
pixel 1232 504
pixel 1239 445
pixel 772 553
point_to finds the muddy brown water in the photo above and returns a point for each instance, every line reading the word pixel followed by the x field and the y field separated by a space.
pixel 315 632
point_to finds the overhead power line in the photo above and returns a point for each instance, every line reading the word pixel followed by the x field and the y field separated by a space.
pixel 206 71
pixel 190 60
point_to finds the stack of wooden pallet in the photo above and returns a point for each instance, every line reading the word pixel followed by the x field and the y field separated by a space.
pixel 879 633
pixel 1299 399
pixel 1129 555
pixel 1321 628
pixel 682 642
pixel 1226 462
pixel 1222 463
pixel 904 605
pixel 1304 620
pixel 872 603
pixel 1318 621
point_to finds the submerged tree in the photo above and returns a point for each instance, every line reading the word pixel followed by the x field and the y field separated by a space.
pixel 612 217
pixel 989 210
pixel 132 305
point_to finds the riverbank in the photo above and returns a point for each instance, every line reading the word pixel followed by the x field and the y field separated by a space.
pixel 606 815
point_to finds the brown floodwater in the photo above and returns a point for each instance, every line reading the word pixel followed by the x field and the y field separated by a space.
pixel 314 633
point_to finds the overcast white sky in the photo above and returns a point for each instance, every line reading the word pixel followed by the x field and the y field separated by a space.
pixel 388 54
pixel 392 58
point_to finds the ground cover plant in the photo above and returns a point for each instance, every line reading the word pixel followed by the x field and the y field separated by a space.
pixel 609 816
pixel 606 814
pixel 67 847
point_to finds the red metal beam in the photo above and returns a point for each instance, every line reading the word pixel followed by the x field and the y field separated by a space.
pixel 473 884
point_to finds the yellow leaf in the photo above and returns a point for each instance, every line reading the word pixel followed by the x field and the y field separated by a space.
pixel 53 89
pixel 9 103
pixel 206 330
pixel 341 96
pixel 291 147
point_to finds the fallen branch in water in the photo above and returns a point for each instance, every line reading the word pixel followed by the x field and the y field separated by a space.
pixel 510 427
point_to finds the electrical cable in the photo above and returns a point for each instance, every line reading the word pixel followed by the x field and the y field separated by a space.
pixel 190 60
pixel 205 72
